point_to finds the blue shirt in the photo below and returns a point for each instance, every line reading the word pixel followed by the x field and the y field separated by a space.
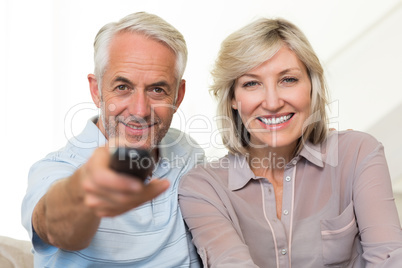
pixel 152 235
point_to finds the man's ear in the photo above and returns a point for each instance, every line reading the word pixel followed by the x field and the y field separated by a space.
pixel 93 87
pixel 180 94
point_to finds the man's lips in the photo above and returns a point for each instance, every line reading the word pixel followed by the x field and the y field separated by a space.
pixel 275 119
pixel 138 126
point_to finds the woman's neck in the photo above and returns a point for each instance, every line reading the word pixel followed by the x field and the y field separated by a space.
pixel 270 163
pixel 270 160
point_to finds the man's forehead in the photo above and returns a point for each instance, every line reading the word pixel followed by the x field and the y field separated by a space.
pixel 132 52
pixel 126 47
pixel 130 41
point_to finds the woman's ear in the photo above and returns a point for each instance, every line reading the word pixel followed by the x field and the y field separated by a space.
pixel 234 104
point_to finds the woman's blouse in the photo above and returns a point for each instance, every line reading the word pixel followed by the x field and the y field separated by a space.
pixel 338 209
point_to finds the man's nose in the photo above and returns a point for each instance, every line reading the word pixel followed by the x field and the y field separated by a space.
pixel 139 104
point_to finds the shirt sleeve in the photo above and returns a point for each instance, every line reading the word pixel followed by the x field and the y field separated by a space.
pixel 218 240
pixel 375 208
pixel 41 176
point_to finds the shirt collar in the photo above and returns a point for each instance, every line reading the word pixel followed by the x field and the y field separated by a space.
pixel 313 153
pixel 170 147
pixel 325 153
pixel 89 139
pixel 172 153
pixel 240 172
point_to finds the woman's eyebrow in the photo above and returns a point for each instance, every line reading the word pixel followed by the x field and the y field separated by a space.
pixel 288 70
pixel 251 75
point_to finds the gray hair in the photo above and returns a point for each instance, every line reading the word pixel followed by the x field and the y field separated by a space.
pixel 248 48
pixel 147 24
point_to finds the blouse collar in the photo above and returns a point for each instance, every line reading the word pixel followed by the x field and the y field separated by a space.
pixel 240 172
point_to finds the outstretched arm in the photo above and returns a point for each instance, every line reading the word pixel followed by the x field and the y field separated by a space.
pixel 68 215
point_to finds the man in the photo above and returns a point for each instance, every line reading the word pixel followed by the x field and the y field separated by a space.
pixel 78 211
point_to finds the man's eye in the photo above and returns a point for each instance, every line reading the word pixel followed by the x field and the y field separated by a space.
pixel 158 90
pixel 121 87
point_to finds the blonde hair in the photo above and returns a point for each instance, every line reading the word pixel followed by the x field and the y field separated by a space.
pixel 248 48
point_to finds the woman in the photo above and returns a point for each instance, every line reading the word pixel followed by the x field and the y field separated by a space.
pixel 289 191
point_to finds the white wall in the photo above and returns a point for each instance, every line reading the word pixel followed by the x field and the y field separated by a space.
pixel 46 54
pixel 364 75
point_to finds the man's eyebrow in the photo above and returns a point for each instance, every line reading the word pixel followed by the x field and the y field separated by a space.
pixel 162 83
pixel 122 79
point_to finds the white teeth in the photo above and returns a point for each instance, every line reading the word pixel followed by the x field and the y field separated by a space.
pixel 134 127
pixel 274 121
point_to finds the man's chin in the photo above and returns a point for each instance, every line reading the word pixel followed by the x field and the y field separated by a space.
pixel 136 143
pixel 125 139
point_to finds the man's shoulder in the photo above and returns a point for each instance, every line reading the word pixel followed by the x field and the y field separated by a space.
pixel 67 155
pixel 181 152
pixel 78 148
pixel 176 134
pixel 179 141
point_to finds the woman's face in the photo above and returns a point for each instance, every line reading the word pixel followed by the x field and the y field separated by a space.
pixel 273 100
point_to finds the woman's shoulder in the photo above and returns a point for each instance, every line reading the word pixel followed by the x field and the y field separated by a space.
pixel 209 171
pixel 352 138
pixel 348 143
pixel 212 165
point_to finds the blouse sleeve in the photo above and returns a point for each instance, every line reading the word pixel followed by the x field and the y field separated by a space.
pixel 218 241
pixel 375 208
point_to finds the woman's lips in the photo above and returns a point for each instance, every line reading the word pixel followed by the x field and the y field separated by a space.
pixel 275 120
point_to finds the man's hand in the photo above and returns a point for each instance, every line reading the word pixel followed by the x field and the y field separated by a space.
pixel 109 193
pixel 68 215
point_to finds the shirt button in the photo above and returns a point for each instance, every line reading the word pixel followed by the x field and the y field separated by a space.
pixel 287 178
pixel 285 212
pixel 284 251
pixel 294 162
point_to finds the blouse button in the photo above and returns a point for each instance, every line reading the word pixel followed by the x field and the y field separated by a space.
pixel 285 212
pixel 284 251
pixel 287 178
pixel 294 162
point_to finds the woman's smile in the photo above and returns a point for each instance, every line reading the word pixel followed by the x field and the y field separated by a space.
pixel 273 100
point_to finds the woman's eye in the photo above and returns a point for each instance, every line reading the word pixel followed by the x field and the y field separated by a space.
pixel 290 80
pixel 250 84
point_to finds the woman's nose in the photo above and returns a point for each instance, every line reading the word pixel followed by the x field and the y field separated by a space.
pixel 273 99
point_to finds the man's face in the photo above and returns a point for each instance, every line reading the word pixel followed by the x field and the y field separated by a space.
pixel 139 91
